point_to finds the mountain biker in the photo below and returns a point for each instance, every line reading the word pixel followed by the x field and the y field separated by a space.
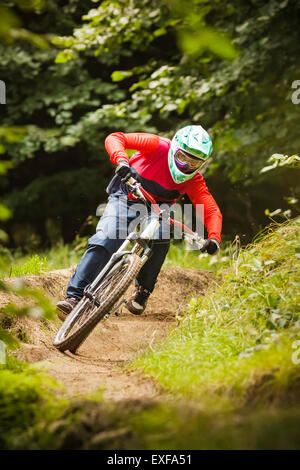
pixel 166 169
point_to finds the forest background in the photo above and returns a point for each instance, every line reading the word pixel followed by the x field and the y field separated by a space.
pixel 74 71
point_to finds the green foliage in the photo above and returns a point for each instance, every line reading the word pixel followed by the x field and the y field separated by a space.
pixel 43 307
pixel 8 339
pixel 84 189
pixel 164 427
pixel 152 66
pixel 178 255
pixel 194 36
pixel 114 23
pixel 4 212
pixel 278 160
pixel 26 401
pixel 34 265
pixel 38 306
pixel 171 425
pixel 194 43
pixel 11 26
pixel 241 330
pixel 65 256
pixel 7 134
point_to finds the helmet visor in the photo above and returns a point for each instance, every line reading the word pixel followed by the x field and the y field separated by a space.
pixel 187 163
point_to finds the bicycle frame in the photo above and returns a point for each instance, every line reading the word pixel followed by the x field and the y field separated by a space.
pixel 139 243
pixel 190 236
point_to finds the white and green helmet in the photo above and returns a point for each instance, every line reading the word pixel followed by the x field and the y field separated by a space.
pixel 190 148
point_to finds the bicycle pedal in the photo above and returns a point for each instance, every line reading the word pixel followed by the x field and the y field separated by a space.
pixel 118 312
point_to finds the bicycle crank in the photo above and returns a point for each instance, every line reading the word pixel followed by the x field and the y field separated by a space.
pixel 117 306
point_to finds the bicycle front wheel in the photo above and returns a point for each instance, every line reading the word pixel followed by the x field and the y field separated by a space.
pixel 86 315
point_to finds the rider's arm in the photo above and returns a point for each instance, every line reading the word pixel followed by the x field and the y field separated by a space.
pixel 117 143
pixel 198 193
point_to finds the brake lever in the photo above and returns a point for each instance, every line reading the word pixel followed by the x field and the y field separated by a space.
pixel 195 239
pixel 135 188
pixel 131 182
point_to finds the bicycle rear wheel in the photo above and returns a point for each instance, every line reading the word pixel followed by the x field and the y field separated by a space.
pixel 86 315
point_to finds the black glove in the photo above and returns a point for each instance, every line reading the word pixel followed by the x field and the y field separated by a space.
pixel 211 246
pixel 124 171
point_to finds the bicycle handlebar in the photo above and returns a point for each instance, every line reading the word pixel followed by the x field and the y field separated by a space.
pixel 190 236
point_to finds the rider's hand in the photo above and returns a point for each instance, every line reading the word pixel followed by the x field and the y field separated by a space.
pixel 211 246
pixel 124 171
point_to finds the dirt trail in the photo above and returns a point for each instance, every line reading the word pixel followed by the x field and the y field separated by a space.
pixel 100 360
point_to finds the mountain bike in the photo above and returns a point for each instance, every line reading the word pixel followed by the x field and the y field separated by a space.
pixel 104 296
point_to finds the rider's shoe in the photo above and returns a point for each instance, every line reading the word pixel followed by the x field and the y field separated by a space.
pixel 138 301
pixel 64 307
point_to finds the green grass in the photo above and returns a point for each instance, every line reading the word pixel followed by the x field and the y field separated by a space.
pixel 184 427
pixel 132 425
pixel 35 264
pixel 27 401
pixel 232 364
pixel 59 257
pixel 228 364
pixel 64 256
pixel 242 331
pixel 178 255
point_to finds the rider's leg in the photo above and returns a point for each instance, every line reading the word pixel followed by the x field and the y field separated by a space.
pixel 90 265
pixel 160 246
pixel 147 277
pixel 110 234
pixel 148 274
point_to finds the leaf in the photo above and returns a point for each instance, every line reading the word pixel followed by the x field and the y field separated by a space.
pixel 4 166
pixel 160 32
pixel 13 310
pixel 193 43
pixel 271 301
pixel 268 168
pixel 278 159
pixel 276 212
pixel 119 75
pixel 5 213
pixel 64 56
pixel 181 106
pixel 268 262
pixel 8 339
pixel 3 236
pixel 8 21
pixel 68 140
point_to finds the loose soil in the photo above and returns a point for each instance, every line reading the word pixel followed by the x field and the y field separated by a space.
pixel 100 363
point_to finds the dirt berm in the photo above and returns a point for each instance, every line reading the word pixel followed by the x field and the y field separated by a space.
pixel 99 362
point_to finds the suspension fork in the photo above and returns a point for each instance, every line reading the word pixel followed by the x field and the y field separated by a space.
pixel 134 243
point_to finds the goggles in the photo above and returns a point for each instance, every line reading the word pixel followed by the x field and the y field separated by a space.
pixel 187 163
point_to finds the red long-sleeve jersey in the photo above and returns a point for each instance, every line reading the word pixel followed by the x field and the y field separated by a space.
pixel 150 163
